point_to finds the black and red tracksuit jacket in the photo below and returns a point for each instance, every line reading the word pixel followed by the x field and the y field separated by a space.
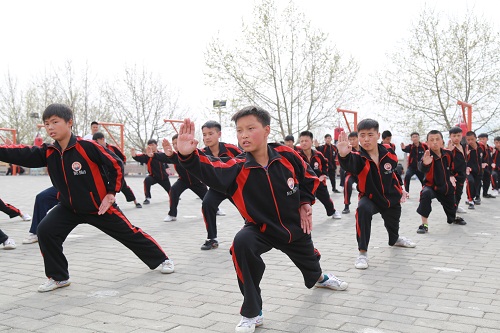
pixel 495 158
pixel 225 150
pixel 380 183
pixel 438 173
pixel 415 153
pixel 181 172
pixel 156 168
pixel 117 152
pixel 269 197
pixel 460 166
pixel 76 172
pixel 317 162
pixel 330 152
pixel 476 157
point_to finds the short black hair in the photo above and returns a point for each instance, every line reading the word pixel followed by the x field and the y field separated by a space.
pixel 59 110
pixel 455 130
pixel 307 133
pixel 386 134
pixel 367 124
pixel 414 133
pixel 262 115
pixel 289 138
pixel 470 133
pixel 328 136
pixel 175 136
pixel 94 123
pixel 212 124
pixel 152 141
pixel 483 135
pixel 432 132
pixel 353 134
pixel 497 138
pixel 97 136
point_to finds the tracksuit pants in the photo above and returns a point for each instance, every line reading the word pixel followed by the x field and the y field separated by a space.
pixel 486 180
pixel 209 206
pixel 149 181
pixel 446 200
pixel 409 173
pixel 324 197
pixel 3 236
pixel 248 246
pixel 332 174
pixel 494 179
pixel 364 214
pixel 459 189
pixel 44 201
pixel 9 209
pixel 127 192
pixel 60 221
pixel 178 188
pixel 473 186
pixel 349 180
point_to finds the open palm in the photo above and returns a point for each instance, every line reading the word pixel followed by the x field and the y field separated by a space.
pixel 186 143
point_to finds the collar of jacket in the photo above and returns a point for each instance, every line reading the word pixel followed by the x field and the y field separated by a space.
pixel 71 143
pixel 252 163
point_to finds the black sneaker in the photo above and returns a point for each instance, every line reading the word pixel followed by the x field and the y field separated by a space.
pixel 471 205
pixel 346 211
pixel 422 229
pixel 138 205
pixel 488 196
pixel 146 202
pixel 336 191
pixel 210 244
pixel 477 201
pixel 460 221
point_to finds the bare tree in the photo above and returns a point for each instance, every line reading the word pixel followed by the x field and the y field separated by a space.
pixel 442 62
pixel 286 66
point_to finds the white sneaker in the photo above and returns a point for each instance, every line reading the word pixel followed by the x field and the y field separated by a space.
pixel 170 218
pixel 32 238
pixel 404 242
pixel 336 215
pixel 9 244
pixel 25 217
pixel 53 285
pixel 220 212
pixel 248 324
pixel 167 267
pixel 361 262
pixel 494 193
pixel 461 210
pixel 333 282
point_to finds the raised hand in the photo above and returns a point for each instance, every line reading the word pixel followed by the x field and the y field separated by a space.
pixel 343 145
pixel 167 148
pixel 133 152
pixel 186 143
pixel 402 145
pixel 427 158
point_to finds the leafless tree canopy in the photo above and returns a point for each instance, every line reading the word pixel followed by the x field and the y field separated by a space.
pixel 286 66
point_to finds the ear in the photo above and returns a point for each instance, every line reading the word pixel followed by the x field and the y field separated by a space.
pixel 267 130
pixel 378 138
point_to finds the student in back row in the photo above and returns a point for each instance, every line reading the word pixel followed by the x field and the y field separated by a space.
pixel 329 150
pixel 415 152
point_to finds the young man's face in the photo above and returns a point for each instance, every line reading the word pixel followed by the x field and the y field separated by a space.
pixel 353 141
pixel 471 140
pixel 497 144
pixel 328 140
pixel 154 147
pixel 483 140
pixel 101 141
pixel 57 128
pixel 368 139
pixel 251 134
pixel 305 142
pixel 289 143
pixel 435 142
pixel 174 144
pixel 387 140
pixel 94 128
pixel 415 138
pixel 211 136
pixel 456 138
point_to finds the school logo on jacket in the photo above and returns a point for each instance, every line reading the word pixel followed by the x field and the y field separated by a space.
pixel 77 169
pixel 291 184
pixel 316 165
pixel 388 168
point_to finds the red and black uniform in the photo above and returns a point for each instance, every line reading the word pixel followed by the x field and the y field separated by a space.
pixel 126 190
pixel 82 183
pixel 213 198
pixel 415 154
pixel 475 157
pixel 460 167
pixel 269 198
pixel 349 180
pixel 157 174
pixel 9 210
pixel 184 182
pixel 437 184
pixel 319 164
pixel 380 191
pixel 330 152
pixel 495 159
pixel 487 171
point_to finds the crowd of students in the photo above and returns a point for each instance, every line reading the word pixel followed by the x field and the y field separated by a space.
pixel 272 185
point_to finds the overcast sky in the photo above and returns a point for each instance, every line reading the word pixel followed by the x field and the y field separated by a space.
pixel 169 37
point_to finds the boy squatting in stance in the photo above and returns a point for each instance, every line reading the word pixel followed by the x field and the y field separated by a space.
pixel 86 195
pixel 439 182
pixel 379 186
pixel 273 189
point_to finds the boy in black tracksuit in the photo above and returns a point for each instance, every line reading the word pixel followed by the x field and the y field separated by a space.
pixel 209 207
pixel 458 152
pixel 415 150
pixel 379 186
pixel 438 166
pixel 184 182
pixel 483 138
pixel 273 189
pixel 495 166
pixel 86 195
pixel 477 159
pixel 126 190
pixel 329 150
pixel 157 171
pixel 320 166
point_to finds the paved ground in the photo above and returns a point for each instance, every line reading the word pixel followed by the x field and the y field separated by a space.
pixel 448 283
